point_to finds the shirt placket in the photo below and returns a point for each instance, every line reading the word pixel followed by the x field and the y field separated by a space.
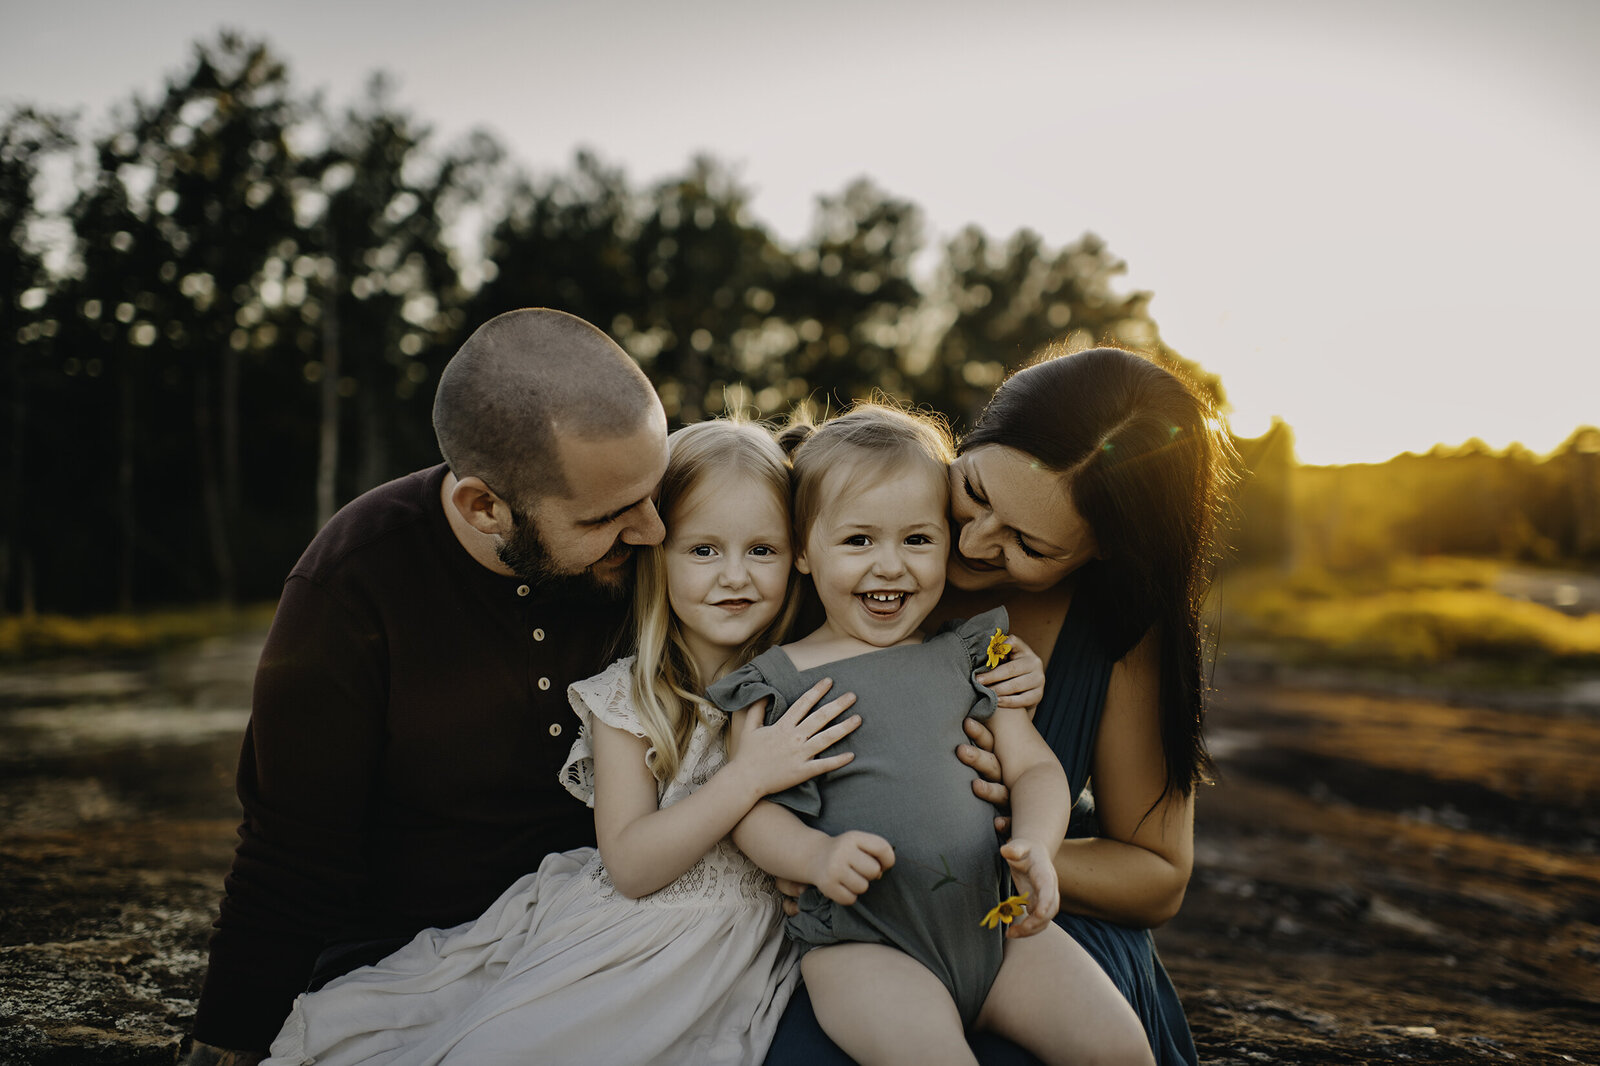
pixel 539 627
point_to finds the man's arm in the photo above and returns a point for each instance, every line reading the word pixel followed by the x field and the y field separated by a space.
pixel 305 773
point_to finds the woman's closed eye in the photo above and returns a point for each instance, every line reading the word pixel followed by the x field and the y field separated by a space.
pixel 972 493
pixel 1029 552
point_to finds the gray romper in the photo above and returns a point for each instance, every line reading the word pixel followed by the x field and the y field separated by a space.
pixel 906 785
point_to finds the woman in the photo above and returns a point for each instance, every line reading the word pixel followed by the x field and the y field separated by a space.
pixel 1085 501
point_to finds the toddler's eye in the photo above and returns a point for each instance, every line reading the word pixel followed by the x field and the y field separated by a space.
pixel 763 550
pixel 919 538
pixel 703 551
pixel 859 540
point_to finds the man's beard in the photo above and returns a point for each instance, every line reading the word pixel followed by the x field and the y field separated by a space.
pixel 525 554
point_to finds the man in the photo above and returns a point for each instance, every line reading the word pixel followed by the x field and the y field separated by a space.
pixel 410 711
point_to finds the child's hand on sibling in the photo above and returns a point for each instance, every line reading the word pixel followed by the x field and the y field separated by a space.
pixel 785 753
pixel 1019 680
pixel 846 865
pixel 1034 873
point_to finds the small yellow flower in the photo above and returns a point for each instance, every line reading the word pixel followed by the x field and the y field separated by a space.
pixel 999 648
pixel 1005 912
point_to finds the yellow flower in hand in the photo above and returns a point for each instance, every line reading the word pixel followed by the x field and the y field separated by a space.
pixel 1006 911
pixel 999 648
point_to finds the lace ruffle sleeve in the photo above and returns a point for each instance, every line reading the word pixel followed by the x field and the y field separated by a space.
pixel 754 681
pixel 607 696
pixel 975 634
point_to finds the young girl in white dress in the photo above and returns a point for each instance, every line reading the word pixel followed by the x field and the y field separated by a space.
pixel 903 861
pixel 663 945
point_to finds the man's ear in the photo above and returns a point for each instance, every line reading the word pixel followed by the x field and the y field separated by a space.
pixel 481 507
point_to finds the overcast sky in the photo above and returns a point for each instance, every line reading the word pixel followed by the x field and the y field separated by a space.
pixel 1375 220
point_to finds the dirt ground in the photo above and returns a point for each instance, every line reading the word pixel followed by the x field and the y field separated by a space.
pixel 1381 877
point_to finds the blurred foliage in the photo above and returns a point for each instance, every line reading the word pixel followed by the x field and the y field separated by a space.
pixel 54 635
pixel 236 322
pixel 1413 611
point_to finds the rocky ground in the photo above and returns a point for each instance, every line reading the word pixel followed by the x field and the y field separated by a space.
pixel 1380 877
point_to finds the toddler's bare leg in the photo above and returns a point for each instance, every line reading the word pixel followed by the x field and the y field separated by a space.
pixel 1053 999
pixel 882 1006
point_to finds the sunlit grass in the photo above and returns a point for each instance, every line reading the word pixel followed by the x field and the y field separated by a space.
pixel 1412 612
pixel 46 636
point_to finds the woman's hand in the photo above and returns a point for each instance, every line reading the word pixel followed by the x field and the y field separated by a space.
pixel 846 865
pixel 1019 681
pixel 989 785
pixel 785 753
pixel 1033 870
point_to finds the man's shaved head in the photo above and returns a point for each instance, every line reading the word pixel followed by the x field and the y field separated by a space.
pixel 521 378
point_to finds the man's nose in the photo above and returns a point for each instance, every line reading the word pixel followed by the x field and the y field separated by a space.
pixel 645 526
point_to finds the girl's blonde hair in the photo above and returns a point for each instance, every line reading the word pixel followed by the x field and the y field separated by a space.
pixel 869 438
pixel 667 685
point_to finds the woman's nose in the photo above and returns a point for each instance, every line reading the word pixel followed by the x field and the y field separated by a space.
pixel 976 535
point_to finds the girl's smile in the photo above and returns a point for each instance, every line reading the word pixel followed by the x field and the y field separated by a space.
pixel 877 555
pixel 727 565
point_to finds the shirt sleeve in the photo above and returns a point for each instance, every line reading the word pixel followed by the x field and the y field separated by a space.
pixel 608 698
pixel 306 772
pixel 975 635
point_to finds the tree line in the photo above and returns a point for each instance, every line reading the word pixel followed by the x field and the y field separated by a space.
pixel 234 322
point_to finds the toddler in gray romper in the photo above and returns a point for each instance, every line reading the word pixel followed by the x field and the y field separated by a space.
pixel 906 785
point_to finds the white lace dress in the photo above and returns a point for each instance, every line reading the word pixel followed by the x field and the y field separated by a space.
pixel 562 968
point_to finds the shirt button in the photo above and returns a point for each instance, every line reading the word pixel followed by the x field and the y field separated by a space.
pixel 538 634
pixel 555 729
pixel 544 683
pixel 523 590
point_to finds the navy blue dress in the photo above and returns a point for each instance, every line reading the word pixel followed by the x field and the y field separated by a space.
pixel 1069 719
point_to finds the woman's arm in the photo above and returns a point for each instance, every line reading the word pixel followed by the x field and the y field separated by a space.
pixel 1135 873
pixel 646 847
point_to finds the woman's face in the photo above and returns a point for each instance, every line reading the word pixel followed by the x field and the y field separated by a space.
pixel 1014 521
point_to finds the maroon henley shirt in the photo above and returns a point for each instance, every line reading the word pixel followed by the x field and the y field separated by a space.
pixel 399 771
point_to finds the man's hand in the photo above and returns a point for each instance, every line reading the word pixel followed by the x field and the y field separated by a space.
pixel 847 865
pixel 206 1055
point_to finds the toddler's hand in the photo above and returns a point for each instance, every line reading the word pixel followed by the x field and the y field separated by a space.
pixel 849 863
pixel 1019 681
pixel 783 754
pixel 1034 873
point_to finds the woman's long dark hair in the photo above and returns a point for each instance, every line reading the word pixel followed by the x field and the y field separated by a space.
pixel 1145 459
